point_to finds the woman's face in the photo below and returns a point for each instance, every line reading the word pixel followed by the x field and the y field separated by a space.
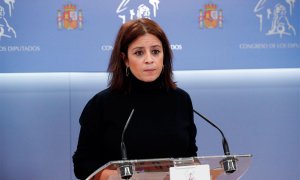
pixel 145 58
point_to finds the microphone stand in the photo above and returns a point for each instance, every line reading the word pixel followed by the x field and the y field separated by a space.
pixel 126 168
pixel 229 163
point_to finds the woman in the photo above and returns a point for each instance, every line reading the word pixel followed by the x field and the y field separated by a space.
pixel 141 78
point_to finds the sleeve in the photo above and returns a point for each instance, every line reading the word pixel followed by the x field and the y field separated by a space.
pixel 86 157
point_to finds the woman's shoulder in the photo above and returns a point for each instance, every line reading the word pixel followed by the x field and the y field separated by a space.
pixel 103 93
pixel 107 95
pixel 98 97
pixel 181 92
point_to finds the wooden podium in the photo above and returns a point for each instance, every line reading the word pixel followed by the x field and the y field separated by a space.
pixel 159 169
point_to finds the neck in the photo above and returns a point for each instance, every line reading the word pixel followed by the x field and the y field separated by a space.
pixel 138 85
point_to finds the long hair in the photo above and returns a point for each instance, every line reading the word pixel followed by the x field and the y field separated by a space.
pixel 129 32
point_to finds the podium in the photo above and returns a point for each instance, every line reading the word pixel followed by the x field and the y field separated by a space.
pixel 159 169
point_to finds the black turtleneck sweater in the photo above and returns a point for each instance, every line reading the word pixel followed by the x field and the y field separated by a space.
pixel 162 126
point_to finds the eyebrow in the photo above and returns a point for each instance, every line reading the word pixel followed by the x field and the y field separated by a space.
pixel 142 47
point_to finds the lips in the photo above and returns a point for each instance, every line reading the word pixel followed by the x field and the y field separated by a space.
pixel 149 69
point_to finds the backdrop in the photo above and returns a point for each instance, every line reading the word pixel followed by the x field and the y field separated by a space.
pixel 76 35
pixel 239 60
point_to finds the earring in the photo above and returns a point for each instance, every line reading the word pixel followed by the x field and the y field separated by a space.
pixel 127 72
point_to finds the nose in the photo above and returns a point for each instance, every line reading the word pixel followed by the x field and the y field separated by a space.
pixel 148 58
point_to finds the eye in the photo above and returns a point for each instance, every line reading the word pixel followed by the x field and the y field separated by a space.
pixel 138 53
pixel 155 51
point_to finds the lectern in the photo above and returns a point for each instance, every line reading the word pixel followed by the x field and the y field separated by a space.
pixel 159 169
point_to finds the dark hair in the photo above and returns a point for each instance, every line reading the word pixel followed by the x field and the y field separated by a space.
pixel 128 32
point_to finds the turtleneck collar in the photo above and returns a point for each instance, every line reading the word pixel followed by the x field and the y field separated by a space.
pixel 141 86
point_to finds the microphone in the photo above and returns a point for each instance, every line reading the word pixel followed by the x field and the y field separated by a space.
pixel 126 168
pixel 229 163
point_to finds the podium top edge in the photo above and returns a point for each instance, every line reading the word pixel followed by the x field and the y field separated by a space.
pixel 174 159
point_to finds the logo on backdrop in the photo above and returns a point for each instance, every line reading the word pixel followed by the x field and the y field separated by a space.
pixel 8 31
pixel 128 11
pixel 274 18
pixel 6 12
pixel 70 18
pixel 211 17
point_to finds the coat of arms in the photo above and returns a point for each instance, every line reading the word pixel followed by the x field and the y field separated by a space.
pixel 211 17
pixel 70 18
